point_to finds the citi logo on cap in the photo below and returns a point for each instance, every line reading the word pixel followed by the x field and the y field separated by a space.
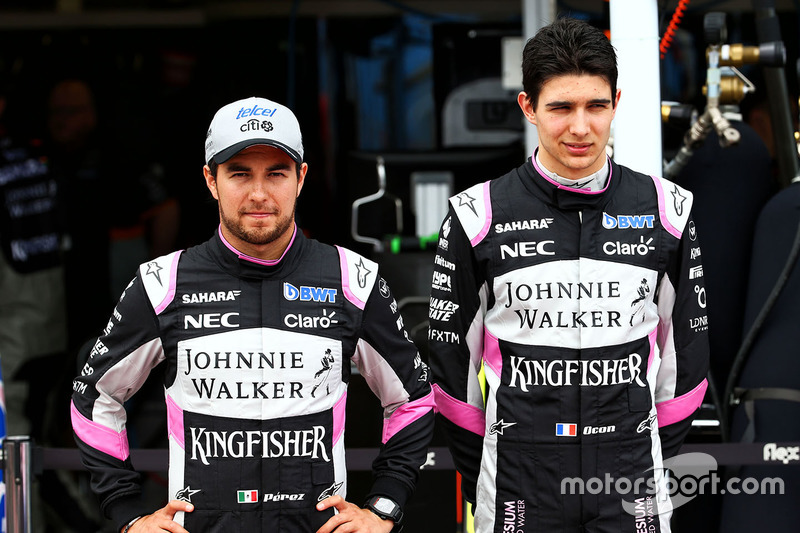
pixel 256 111
pixel 253 121
pixel 566 430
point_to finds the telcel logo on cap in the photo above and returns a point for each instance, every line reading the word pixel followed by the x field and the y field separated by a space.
pixel 256 111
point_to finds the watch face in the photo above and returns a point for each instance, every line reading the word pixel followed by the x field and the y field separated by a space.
pixel 385 505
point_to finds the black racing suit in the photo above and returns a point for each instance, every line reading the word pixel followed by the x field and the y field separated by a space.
pixel 250 446
pixel 586 313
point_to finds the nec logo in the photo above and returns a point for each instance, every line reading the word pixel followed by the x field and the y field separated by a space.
pixel 526 249
pixel 308 294
pixel 211 320
pixel 628 221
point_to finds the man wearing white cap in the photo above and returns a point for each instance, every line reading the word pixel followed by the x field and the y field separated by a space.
pixel 242 322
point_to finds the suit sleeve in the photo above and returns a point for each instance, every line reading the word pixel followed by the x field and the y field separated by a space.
pixel 683 342
pixel 455 338
pixel 118 364
pixel 393 369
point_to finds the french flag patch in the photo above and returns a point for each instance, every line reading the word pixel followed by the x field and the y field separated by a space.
pixel 566 430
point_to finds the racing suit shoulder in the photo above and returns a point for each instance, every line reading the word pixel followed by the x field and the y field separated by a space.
pixel 159 278
pixel 675 205
pixel 389 362
pixel 358 276
pixel 473 207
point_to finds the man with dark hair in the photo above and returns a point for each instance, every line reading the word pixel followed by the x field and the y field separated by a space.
pixel 241 323
pixel 574 285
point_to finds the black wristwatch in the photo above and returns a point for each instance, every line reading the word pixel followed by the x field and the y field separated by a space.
pixel 388 510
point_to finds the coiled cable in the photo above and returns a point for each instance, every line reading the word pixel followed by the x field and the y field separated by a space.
pixel 666 40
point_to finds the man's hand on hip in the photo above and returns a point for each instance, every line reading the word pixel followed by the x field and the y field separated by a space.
pixel 162 520
pixel 352 518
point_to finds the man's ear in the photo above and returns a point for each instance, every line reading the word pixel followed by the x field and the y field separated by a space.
pixel 527 107
pixel 211 181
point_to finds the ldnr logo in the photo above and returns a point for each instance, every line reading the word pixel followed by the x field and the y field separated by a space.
pixel 628 221
pixel 308 294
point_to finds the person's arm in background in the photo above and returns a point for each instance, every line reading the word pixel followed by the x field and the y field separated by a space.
pixel 457 306
pixel 116 367
pixel 683 340
pixel 390 364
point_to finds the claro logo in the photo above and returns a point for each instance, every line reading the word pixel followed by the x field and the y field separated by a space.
pixel 211 320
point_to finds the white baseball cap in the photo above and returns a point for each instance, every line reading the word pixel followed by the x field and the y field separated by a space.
pixel 249 122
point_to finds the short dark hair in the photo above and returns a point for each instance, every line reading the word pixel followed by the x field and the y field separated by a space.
pixel 213 167
pixel 567 47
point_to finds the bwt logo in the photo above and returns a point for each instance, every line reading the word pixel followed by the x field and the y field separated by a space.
pixel 628 221
pixel 308 294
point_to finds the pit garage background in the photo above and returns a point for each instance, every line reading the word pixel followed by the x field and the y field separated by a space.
pixel 404 103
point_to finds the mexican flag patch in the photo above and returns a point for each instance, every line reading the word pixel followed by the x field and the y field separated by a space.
pixel 247 496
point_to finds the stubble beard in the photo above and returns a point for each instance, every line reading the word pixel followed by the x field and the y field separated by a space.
pixel 259 235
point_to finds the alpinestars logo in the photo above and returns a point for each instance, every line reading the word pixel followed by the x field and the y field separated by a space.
pixel 498 427
pixel 185 495
pixel 154 269
pixel 679 200
pixel 362 272
pixel 330 491
pixel 467 200
pixel 646 424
